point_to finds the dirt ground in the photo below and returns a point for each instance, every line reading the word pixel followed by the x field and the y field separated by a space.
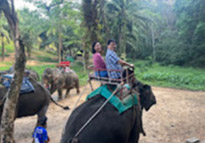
pixel 178 115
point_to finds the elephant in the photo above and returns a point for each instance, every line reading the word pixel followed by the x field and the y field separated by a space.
pixel 108 125
pixel 32 103
pixel 32 74
pixel 27 73
pixel 55 79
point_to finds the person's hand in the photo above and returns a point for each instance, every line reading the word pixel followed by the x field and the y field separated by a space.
pixel 132 65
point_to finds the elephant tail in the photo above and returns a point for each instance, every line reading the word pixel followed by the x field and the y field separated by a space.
pixel 63 107
pixel 57 104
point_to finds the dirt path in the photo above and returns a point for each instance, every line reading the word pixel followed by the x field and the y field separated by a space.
pixel 178 115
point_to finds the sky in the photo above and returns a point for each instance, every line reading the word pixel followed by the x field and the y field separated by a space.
pixel 20 4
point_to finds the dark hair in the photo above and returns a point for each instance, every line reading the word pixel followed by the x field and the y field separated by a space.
pixel 110 41
pixel 42 121
pixel 93 47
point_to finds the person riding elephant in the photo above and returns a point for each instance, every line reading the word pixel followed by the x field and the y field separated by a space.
pixel 113 62
pixel 98 61
pixel 96 121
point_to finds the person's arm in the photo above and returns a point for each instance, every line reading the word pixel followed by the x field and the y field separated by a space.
pixel 45 136
pixel 48 140
pixel 123 63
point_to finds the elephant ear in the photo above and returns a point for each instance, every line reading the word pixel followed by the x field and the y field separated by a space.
pixel 147 97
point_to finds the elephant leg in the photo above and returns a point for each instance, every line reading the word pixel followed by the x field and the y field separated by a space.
pixel 135 132
pixel 60 94
pixel 77 90
pixel 141 124
pixel 67 92
pixel 77 86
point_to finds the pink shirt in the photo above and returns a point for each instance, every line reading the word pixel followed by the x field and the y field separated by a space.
pixel 98 61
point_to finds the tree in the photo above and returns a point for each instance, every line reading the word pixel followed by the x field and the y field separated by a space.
pixel 91 21
pixel 129 27
pixel 60 24
pixel 31 26
pixel 4 34
pixel 7 119
pixel 191 27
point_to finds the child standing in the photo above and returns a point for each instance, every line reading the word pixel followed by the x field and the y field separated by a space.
pixel 40 134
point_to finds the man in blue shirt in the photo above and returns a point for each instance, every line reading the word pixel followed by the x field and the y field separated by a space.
pixel 40 134
pixel 113 62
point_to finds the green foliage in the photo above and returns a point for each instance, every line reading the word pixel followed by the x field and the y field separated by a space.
pixel 9 48
pixel 44 56
pixel 5 65
pixel 190 22
pixel 170 76
pixel 78 68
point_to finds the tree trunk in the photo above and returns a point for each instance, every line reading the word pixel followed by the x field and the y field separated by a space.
pixel 104 21
pixel 91 21
pixel 2 46
pixel 85 53
pixel 9 111
pixel 59 47
pixel 153 43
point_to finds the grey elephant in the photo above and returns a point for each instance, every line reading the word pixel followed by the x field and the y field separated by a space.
pixel 108 125
pixel 55 79
pixel 32 103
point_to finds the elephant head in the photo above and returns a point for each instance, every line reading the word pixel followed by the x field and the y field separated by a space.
pixel 147 98
pixel 49 78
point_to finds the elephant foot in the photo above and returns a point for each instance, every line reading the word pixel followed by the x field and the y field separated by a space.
pixel 78 91
pixel 67 95
pixel 59 98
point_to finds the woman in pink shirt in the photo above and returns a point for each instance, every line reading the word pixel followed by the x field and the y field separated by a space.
pixel 98 61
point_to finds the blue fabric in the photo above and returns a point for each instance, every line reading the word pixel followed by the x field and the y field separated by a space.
pixel 40 135
pixel 112 64
pixel 25 87
pixel 101 74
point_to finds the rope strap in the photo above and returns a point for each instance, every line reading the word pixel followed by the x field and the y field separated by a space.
pixel 95 114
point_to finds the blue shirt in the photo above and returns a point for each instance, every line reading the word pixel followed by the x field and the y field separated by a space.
pixel 40 135
pixel 112 64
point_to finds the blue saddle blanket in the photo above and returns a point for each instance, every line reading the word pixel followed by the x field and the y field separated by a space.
pixel 26 85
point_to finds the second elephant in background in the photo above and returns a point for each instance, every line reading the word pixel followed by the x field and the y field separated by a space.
pixel 55 79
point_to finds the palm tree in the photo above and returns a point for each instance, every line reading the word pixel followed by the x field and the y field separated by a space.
pixel 129 26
